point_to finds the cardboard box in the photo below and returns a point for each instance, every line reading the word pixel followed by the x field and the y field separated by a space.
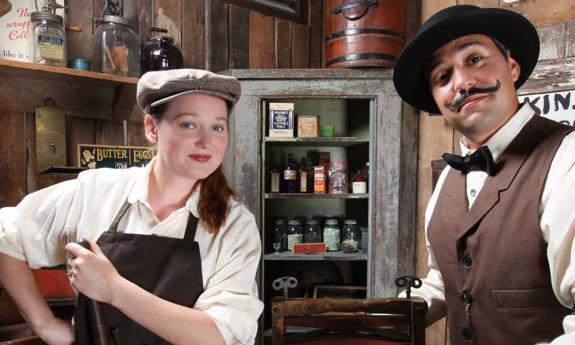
pixel 308 248
pixel 319 179
pixel 307 126
pixel 281 120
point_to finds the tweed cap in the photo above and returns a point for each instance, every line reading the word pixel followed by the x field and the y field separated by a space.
pixel 157 87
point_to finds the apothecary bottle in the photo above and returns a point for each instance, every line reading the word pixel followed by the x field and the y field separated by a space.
pixel 350 236
pixel 160 52
pixel 331 235
pixel 312 232
pixel 49 43
pixel 117 47
pixel 294 233
pixel 290 184
pixel 280 234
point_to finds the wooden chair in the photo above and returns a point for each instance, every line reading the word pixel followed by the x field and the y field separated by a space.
pixel 382 321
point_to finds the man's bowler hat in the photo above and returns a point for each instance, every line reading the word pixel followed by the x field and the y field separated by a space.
pixel 508 27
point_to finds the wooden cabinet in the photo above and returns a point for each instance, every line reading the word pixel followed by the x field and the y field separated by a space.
pixel 371 125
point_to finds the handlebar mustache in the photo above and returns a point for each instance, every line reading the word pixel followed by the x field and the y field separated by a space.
pixel 464 94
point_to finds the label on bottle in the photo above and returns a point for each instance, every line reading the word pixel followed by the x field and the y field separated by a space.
pixel 290 174
pixel 294 238
pixel 51 46
pixel 359 187
pixel 331 239
pixel 303 182
pixel 275 182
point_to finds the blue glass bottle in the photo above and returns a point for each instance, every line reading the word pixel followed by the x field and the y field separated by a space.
pixel 290 183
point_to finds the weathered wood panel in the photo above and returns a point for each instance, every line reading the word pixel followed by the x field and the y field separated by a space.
pixel 316 34
pixel 194 34
pixel 283 38
pixel 168 15
pixel 218 37
pixel 79 44
pixel 78 131
pixel 300 48
pixel 570 39
pixel 136 135
pixel 239 37
pixel 109 132
pixel 262 47
pixel 553 42
pixel 13 183
pixel 544 12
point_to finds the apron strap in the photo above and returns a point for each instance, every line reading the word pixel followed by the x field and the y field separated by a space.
pixel 191 227
pixel 119 215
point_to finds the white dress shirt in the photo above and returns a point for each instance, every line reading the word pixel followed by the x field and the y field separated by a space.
pixel 37 229
pixel 557 217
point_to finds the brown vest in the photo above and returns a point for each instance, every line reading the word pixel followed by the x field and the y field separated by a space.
pixel 492 257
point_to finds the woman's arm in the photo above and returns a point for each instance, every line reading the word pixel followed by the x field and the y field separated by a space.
pixel 95 276
pixel 19 282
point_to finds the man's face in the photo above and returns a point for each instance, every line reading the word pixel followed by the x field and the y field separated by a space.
pixel 472 83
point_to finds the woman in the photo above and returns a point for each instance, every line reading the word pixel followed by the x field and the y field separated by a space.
pixel 173 253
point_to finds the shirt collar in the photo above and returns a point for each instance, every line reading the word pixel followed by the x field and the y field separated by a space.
pixel 139 192
pixel 503 137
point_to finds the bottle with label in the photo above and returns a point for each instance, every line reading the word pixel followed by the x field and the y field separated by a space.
pixel 294 233
pixel 302 176
pixel 359 183
pixel 331 235
pixel 350 236
pixel 49 38
pixel 274 178
pixel 290 184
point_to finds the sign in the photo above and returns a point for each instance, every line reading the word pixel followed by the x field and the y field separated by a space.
pixel 557 106
pixel 106 156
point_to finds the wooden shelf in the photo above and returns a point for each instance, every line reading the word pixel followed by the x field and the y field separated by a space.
pixel 328 256
pixel 315 196
pixel 319 141
pixel 26 86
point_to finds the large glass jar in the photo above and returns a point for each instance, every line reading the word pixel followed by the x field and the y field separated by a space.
pixel 331 236
pixel 279 235
pixel 312 232
pixel 116 47
pixel 49 39
pixel 294 233
pixel 350 236
pixel 160 53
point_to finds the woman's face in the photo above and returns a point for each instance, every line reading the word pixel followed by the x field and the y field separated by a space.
pixel 192 135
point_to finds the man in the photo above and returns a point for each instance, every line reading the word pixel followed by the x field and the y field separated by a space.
pixel 501 222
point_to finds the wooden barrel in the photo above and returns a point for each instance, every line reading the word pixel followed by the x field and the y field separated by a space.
pixel 363 33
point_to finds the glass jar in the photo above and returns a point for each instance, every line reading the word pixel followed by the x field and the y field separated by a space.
pixel 279 235
pixel 338 177
pixel 331 235
pixel 350 236
pixel 49 39
pixel 160 53
pixel 294 233
pixel 116 47
pixel 312 232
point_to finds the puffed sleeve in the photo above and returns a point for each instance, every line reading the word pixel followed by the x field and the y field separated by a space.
pixel 230 296
pixel 35 229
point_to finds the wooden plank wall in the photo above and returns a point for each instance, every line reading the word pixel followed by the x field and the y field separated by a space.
pixel 555 20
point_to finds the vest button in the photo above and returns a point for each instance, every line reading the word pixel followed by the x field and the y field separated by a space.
pixel 467 260
pixel 467 333
pixel 466 297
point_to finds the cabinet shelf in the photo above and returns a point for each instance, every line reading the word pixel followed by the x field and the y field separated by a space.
pixel 328 256
pixel 319 141
pixel 315 196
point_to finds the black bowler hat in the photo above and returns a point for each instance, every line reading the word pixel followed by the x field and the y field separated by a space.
pixel 508 27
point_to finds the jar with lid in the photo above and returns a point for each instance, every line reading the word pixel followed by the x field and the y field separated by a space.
pixel 294 233
pixel 279 235
pixel 312 231
pixel 350 236
pixel 49 43
pixel 116 47
pixel 331 235
pixel 160 53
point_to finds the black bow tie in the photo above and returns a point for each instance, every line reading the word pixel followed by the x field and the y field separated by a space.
pixel 481 159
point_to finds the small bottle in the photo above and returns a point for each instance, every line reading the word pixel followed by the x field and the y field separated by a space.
pixel 160 53
pixel 290 176
pixel 294 233
pixel 302 176
pixel 350 236
pixel 331 235
pixel 274 178
pixel 279 235
pixel 312 232
pixel 359 183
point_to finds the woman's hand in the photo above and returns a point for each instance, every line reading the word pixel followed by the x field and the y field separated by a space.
pixel 56 332
pixel 91 272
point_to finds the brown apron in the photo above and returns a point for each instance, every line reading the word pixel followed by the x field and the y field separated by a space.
pixel 170 268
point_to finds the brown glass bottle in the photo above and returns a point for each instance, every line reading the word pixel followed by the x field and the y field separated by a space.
pixel 160 53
